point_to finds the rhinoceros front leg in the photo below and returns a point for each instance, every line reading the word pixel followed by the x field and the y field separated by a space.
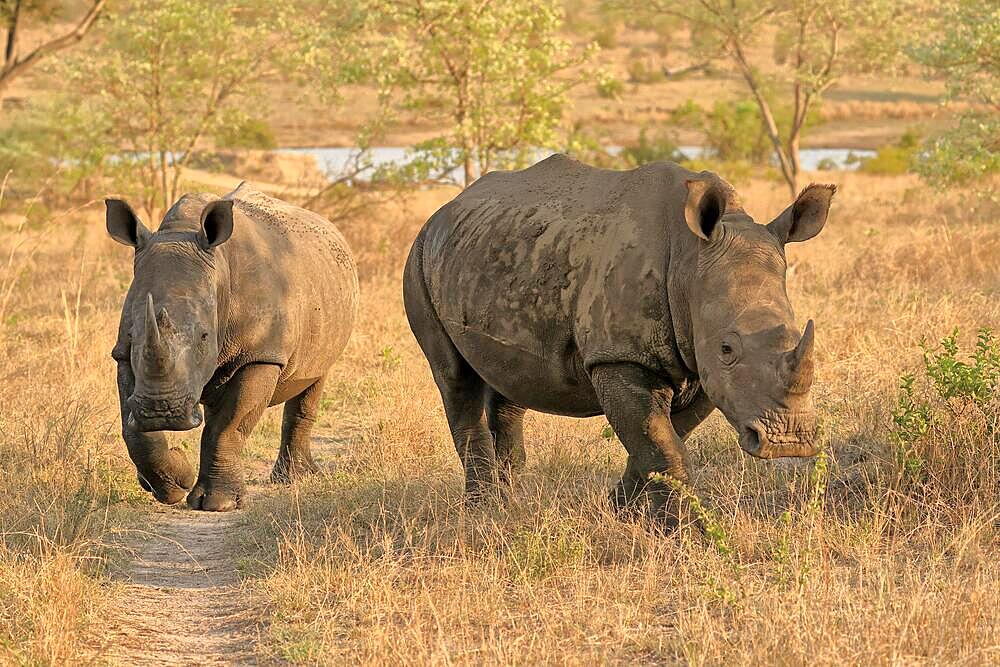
pixel 229 420
pixel 637 404
pixel 295 458
pixel 161 470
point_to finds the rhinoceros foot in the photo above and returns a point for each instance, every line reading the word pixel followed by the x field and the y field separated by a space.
pixel 286 470
pixel 633 501
pixel 216 496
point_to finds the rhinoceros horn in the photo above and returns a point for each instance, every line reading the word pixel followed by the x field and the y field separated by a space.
pixel 156 352
pixel 798 364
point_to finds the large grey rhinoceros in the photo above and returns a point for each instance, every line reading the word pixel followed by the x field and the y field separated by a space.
pixel 647 295
pixel 238 304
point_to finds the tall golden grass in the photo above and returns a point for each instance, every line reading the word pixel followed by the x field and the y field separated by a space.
pixel 65 484
pixel 377 561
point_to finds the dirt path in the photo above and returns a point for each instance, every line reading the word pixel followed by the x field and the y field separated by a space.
pixel 182 603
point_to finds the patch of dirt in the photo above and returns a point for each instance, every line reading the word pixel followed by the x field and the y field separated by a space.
pixel 182 603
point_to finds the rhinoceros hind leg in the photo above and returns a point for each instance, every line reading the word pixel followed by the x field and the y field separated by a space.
pixel 505 420
pixel 228 422
pixel 463 398
pixel 295 458
pixel 463 392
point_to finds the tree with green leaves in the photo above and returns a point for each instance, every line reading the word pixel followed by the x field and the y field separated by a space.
pixel 816 43
pixel 167 76
pixel 964 47
pixel 15 16
pixel 495 71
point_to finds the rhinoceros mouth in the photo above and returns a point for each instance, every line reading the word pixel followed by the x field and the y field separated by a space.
pixel 163 413
pixel 780 435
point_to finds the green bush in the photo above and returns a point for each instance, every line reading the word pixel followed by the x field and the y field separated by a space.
pixel 735 131
pixel 944 426
pixel 962 154
pixel 688 114
pixel 56 148
pixel 894 159
pixel 639 71
pixel 610 88
pixel 250 134
pixel 651 149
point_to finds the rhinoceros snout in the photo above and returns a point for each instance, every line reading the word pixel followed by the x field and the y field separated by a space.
pixel 759 441
pixel 147 415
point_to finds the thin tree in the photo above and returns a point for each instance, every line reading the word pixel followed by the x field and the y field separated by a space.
pixel 172 74
pixel 496 72
pixel 14 13
pixel 816 42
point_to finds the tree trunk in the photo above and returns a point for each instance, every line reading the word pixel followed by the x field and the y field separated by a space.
pixel 793 159
pixel 15 65
pixel 469 175
pixel 789 173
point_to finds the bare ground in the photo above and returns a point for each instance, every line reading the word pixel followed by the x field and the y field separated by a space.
pixel 182 603
pixel 181 599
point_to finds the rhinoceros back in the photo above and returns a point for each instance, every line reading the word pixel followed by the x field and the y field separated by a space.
pixel 559 267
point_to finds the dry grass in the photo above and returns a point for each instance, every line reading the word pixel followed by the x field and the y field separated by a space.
pixel 376 561
pixel 66 482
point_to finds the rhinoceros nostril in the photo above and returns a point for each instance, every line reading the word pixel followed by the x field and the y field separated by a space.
pixel 752 438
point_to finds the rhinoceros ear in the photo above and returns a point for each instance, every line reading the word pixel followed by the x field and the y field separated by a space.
pixel 806 216
pixel 124 225
pixel 216 224
pixel 706 202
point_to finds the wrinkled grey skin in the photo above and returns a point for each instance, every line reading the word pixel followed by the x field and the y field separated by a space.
pixel 237 304
pixel 647 295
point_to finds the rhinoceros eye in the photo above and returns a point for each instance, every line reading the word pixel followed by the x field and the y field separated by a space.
pixel 729 349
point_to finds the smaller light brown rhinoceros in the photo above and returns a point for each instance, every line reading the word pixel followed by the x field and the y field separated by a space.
pixel 647 295
pixel 237 304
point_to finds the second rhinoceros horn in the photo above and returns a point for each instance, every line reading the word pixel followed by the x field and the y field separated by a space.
pixel 798 364
pixel 157 354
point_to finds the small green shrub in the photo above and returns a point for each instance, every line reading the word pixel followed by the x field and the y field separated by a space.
pixel 688 114
pixel 912 421
pixel 963 154
pixel 389 358
pixel 735 131
pixel 251 134
pixel 610 88
pixel 945 429
pixel 640 71
pixel 651 148
pixel 895 159
pixel 976 381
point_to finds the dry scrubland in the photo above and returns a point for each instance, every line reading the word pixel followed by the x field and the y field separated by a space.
pixel 376 561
